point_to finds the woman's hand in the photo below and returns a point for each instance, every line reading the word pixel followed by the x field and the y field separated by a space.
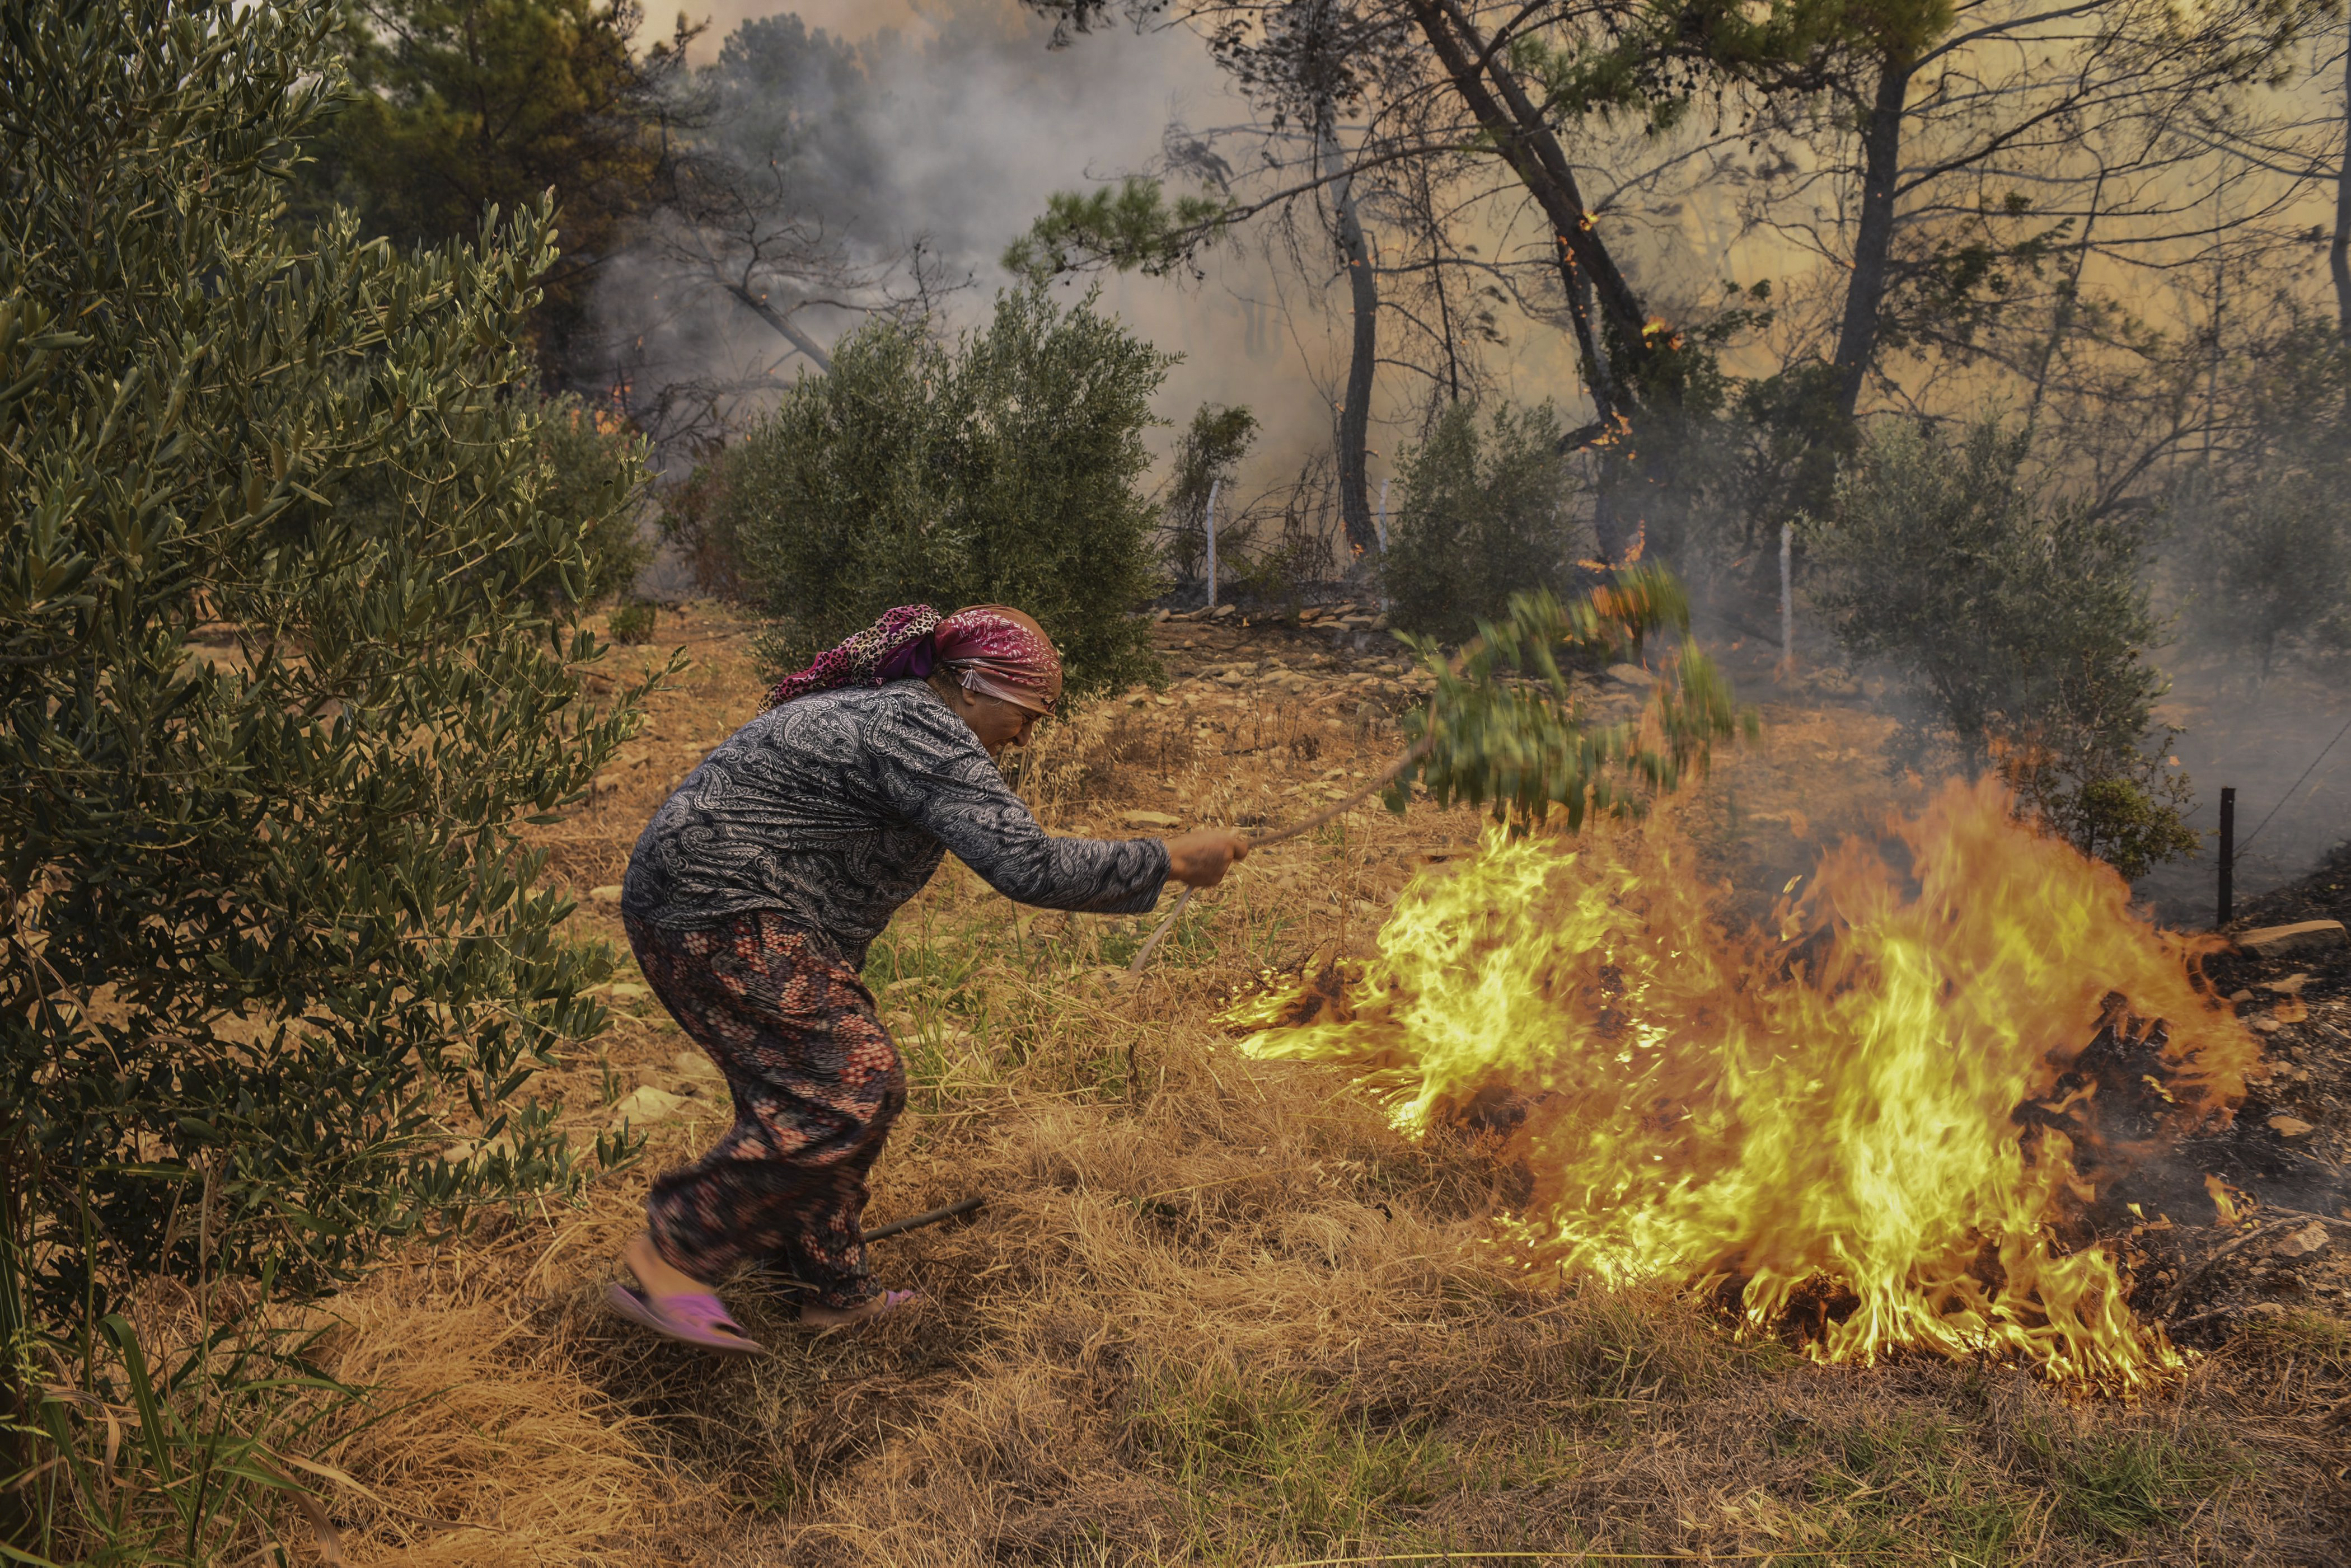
pixel 1199 857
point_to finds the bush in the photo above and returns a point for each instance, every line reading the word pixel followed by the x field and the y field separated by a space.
pixel 275 591
pixel 1484 517
pixel 1206 456
pixel 700 530
pixel 589 478
pixel 1001 469
pixel 595 468
pixel 2268 526
pixel 2019 626
pixel 632 622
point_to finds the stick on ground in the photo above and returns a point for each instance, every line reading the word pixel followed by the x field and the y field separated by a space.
pixel 927 1217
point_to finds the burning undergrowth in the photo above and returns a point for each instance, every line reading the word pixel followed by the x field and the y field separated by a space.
pixel 1879 1124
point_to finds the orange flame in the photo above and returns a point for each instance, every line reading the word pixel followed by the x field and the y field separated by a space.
pixel 2226 1201
pixel 1830 1123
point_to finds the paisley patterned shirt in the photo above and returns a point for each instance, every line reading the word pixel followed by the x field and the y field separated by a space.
pixel 836 807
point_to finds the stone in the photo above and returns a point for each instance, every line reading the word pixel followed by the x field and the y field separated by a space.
pixel 1151 819
pixel 2302 937
pixel 1631 675
pixel 2290 986
pixel 695 1064
pixel 2289 1126
pixel 2303 1243
pixel 646 1104
pixel 608 894
pixel 627 990
pixel 1224 612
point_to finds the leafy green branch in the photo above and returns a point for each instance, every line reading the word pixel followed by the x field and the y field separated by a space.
pixel 1503 728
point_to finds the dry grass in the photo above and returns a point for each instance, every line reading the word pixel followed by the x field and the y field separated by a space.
pixel 1216 1310
pixel 486 1444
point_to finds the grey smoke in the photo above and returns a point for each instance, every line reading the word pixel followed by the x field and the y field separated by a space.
pixel 917 154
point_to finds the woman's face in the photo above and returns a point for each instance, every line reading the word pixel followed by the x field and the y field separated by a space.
pixel 997 723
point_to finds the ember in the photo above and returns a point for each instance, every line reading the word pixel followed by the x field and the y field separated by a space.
pixel 1873 1128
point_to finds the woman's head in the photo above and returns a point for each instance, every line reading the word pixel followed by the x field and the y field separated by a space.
pixel 1001 653
pixel 998 671
pixel 993 722
pixel 979 659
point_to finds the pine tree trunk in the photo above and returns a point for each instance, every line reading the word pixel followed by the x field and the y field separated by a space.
pixel 1873 245
pixel 1527 144
pixel 1355 412
pixel 2338 253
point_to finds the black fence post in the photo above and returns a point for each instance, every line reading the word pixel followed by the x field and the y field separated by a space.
pixel 2228 856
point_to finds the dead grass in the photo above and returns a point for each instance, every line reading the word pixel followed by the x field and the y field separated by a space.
pixel 484 1443
pixel 1216 1310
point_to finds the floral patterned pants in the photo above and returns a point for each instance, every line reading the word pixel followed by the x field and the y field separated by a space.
pixel 816 1082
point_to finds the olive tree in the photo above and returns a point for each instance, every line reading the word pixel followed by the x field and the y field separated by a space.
pixel 283 666
pixel 1004 467
pixel 2018 624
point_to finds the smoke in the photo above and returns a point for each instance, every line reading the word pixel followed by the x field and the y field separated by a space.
pixel 919 141
pixel 2271 742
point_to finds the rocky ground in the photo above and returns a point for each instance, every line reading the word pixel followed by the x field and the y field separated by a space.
pixel 2276 1235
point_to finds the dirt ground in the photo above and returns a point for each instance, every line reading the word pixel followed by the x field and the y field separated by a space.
pixel 1217 1311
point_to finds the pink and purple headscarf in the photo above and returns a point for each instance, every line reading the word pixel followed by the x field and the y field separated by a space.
pixel 993 649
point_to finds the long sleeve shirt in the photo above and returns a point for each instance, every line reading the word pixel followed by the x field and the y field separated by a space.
pixel 836 808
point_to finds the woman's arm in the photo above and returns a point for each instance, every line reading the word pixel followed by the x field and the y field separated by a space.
pixel 929 769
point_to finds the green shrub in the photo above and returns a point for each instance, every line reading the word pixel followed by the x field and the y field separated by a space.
pixel 120 1449
pixel 2266 526
pixel 701 531
pixel 595 470
pixel 588 478
pixel 632 622
pixel 1484 517
pixel 2019 626
pixel 281 674
pixel 1001 469
pixel 1207 454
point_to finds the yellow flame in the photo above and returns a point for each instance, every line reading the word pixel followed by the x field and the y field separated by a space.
pixel 2229 1202
pixel 1816 1120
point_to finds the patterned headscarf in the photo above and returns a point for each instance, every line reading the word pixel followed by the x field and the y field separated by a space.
pixel 993 649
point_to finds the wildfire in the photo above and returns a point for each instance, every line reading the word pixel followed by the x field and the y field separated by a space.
pixel 1874 1125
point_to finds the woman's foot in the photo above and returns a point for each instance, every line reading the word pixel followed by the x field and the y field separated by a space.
pixel 824 1317
pixel 676 1304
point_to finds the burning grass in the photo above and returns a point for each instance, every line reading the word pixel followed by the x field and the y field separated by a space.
pixel 1222 1311
pixel 1859 1123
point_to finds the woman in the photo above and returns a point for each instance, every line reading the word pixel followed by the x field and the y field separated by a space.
pixel 753 895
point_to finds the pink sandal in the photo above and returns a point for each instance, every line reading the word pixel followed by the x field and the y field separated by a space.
pixel 696 1319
